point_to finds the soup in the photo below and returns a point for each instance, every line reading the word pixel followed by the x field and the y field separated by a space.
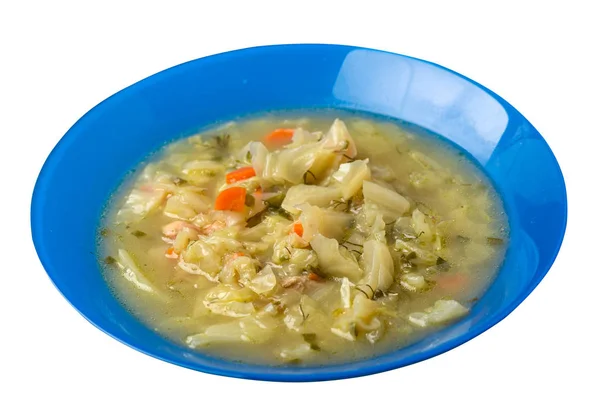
pixel 313 240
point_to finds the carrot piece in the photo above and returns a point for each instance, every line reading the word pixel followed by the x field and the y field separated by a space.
pixel 232 198
pixel 279 138
pixel 236 255
pixel 314 276
pixel 171 253
pixel 240 174
pixel 452 283
pixel 298 229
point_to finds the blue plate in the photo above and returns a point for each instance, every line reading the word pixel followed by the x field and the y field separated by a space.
pixel 94 155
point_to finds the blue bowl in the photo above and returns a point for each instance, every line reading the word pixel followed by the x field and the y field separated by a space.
pixel 95 154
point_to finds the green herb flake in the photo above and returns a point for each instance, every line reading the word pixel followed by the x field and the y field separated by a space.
pixel 442 264
pixel 255 220
pixel 305 177
pixel 138 234
pixel 104 232
pixel 309 337
pixel 463 239
pixel 179 181
pixel 249 200
pixel 109 260
pixel 494 241
pixel 276 200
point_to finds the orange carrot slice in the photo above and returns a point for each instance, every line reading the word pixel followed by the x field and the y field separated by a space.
pixel 240 174
pixel 171 253
pixel 232 199
pixel 452 283
pixel 298 229
pixel 315 277
pixel 279 138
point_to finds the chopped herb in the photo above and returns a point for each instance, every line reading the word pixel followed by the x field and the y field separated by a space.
pixel 179 181
pixel 420 234
pixel 463 239
pixel 276 200
pixel 248 157
pixel 353 244
pixel 309 337
pixel 255 220
pixel 475 299
pixel 305 176
pixel 442 264
pixel 295 361
pixel 362 291
pixel 304 315
pixel 249 200
pixel 288 250
pixel 109 260
pixel 411 256
pixel 494 241
pixel 104 232
pixel 348 157
pixel 315 347
pixel 138 233
pixel 378 294
pixel 222 141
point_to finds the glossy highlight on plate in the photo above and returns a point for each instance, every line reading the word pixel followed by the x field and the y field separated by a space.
pixel 84 170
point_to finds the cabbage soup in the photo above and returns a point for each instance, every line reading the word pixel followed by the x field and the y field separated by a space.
pixel 303 240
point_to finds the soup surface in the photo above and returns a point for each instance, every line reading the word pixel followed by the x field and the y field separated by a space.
pixel 311 240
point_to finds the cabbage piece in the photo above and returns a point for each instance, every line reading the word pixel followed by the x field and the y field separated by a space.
pixel 200 258
pixel 361 317
pixel 240 269
pixel 332 224
pixel 291 164
pixel 346 292
pixel 311 194
pixel 378 265
pixel 425 161
pixel 333 260
pixel 303 137
pixel 295 352
pixel 140 203
pixel 423 226
pixel 183 238
pixel 223 241
pixel 224 300
pixel 201 172
pixel 338 139
pixel 350 177
pixel 423 256
pixel 284 248
pixel 385 198
pixel 413 282
pixel 301 259
pixel 264 281
pixel 254 153
pixel 377 229
pixel 272 228
pixel 248 329
pixel 186 205
pixel 132 272
pixel 442 311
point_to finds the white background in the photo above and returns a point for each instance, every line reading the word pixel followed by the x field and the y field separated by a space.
pixel 59 59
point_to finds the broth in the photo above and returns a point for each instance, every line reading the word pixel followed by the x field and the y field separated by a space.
pixel 267 241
